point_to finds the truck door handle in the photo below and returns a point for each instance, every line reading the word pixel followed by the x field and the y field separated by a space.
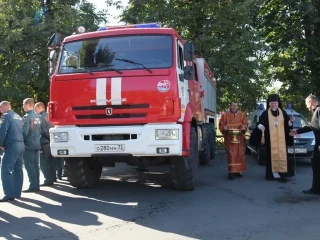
pixel 181 77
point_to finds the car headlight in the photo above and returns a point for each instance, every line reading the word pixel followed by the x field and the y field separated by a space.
pixel 167 134
pixel 59 137
pixel 313 142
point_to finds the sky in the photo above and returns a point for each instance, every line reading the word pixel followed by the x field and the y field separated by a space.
pixel 100 4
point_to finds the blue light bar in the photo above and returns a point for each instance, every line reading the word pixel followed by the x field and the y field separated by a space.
pixel 148 25
pixel 102 29
pixel 142 25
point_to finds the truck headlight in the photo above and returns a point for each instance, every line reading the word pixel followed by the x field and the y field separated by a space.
pixel 59 137
pixel 313 142
pixel 167 134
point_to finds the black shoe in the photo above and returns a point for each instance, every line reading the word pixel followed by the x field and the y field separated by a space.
pixel 230 176
pixel 46 184
pixel 31 190
pixel 238 174
pixel 269 178
pixel 5 199
pixel 310 192
pixel 283 180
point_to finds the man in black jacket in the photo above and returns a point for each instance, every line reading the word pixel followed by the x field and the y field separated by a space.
pixel 312 104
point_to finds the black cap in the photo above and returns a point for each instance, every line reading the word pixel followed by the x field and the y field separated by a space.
pixel 274 98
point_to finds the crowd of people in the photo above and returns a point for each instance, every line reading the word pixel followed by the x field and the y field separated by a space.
pixel 275 131
pixel 26 140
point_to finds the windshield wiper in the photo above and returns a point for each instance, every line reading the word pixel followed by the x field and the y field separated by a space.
pixel 133 62
pixel 81 68
pixel 109 67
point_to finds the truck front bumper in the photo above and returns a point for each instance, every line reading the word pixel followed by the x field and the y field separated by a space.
pixel 140 140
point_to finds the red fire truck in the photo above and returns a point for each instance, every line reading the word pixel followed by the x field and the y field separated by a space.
pixel 134 94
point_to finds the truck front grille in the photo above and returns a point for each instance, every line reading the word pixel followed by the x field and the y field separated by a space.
pixel 104 116
pixel 118 111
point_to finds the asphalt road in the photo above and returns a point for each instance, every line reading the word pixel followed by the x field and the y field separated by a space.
pixel 132 205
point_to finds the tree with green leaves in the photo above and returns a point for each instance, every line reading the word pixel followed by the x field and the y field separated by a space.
pixel 224 34
pixel 23 38
pixel 291 30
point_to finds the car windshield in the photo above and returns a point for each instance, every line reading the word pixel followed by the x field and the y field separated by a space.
pixel 299 121
pixel 117 53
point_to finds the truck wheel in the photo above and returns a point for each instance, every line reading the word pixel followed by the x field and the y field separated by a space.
pixel 261 156
pixel 206 152
pixel 212 142
pixel 83 172
pixel 184 169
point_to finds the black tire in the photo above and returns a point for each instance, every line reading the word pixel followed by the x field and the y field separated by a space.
pixel 212 141
pixel 83 172
pixel 261 156
pixel 183 169
pixel 205 154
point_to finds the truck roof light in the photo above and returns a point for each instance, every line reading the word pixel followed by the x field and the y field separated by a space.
pixel 142 25
pixel 148 25
pixel 102 29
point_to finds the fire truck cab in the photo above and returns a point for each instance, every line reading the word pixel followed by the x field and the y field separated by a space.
pixel 134 94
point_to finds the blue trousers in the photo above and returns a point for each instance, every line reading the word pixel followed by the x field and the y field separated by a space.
pixel 60 167
pixel 31 162
pixel 47 164
pixel 11 170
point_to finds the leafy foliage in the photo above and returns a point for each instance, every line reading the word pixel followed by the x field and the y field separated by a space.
pixel 249 44
pixel 292 31
pixel 224 34
pixel 23 52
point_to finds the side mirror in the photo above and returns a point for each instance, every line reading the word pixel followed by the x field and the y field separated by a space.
pixel 52 61
pixel 188 73
pixel 55 40
pixel 188 49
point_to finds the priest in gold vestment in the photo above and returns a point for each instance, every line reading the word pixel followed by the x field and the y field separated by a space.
pixel 275 124
pixel 234 119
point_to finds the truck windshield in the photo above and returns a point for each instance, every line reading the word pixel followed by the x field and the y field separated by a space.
pixel 117 54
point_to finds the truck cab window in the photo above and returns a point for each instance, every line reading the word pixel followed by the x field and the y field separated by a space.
pixel 180 57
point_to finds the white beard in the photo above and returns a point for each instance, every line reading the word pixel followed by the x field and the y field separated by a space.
pixel 274 109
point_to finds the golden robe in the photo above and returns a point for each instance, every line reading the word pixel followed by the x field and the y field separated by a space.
pixel 235 151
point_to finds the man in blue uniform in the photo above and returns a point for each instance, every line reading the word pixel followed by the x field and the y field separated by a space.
pixel 11 142
pixel 31 133
pixel 47 161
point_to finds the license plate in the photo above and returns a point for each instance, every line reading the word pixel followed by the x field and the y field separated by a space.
pixel 297 150
pixel 109 148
